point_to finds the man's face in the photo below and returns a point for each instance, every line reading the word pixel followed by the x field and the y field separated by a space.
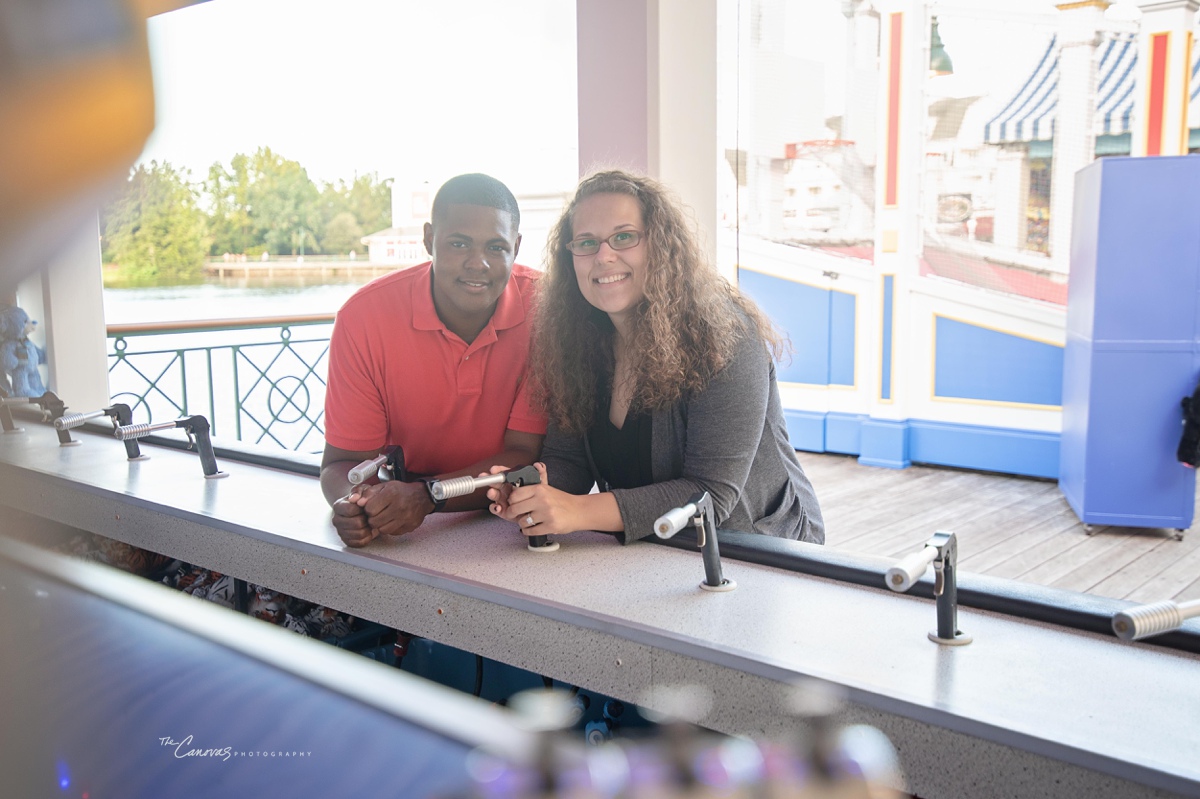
pixel 473 249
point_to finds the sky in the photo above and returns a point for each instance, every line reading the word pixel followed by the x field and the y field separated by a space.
pixel 420 90
pixel 398 87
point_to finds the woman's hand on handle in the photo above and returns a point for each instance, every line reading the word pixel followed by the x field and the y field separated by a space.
pixel 540 509
pixel 553 511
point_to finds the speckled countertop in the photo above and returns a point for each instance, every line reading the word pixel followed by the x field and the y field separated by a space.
pixel 630 620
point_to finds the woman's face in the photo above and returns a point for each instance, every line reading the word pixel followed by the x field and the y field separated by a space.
pixel 612 280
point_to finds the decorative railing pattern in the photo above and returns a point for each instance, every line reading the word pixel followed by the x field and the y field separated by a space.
pixel 257 380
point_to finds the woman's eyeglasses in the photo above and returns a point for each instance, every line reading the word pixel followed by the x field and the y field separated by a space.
pixel 590 245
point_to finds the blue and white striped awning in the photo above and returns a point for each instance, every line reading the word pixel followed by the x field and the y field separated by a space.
pixel 1114 94
pixel 1029 116
pixel 1194 103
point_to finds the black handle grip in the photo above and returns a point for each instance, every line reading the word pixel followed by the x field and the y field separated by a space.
pixel 122 415
pixel 395 464
pixel 208 458
pixel 198 427
pixel 527 475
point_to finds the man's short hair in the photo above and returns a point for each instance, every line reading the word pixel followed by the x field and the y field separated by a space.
pixel 476 189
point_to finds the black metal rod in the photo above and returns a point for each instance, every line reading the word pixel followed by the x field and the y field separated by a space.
pixel 122 415
pixel 947 603
pixel 711 553
pixel 198 427
pixel 6 419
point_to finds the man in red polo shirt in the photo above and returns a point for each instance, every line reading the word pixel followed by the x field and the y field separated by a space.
pixel 433 359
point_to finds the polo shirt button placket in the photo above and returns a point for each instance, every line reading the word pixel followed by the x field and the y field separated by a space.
pixel 470 376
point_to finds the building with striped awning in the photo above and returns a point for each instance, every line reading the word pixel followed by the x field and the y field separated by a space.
pixel 1030 115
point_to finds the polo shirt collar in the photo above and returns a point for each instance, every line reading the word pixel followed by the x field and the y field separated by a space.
pixel 510 310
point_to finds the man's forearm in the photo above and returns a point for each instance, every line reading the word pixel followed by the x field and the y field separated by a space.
pixel 335 480
pixel 519 449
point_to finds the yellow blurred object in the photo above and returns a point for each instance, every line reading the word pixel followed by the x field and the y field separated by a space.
pixel 76 108
pixel 151 8
pixel 75 123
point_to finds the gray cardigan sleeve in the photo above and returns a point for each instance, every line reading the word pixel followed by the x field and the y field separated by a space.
pixel 708 442
pixel 567 465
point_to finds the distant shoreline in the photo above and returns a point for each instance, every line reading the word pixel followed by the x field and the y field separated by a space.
pixel 316 268
pixel 295 267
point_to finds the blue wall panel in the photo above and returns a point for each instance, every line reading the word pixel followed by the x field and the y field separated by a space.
pixel 896 443
pixel 806 429
pixel 803 313
pixel 843 432
pixel 885 442
pixel 977 363
pixel 885 355
pixel 842 318
pixel 992 449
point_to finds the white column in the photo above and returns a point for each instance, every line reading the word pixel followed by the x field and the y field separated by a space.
pixel 67 299
pixel 662 75
pixel 1074 128
pixel 1012 195
pixel 900 136
pixel 1164 69
pixel 613 77
pixel 903 69
pixel 683 108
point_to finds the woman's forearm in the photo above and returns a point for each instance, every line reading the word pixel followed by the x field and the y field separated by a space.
pixel 597 512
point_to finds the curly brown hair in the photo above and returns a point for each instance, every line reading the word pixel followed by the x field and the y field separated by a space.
pixel 685 329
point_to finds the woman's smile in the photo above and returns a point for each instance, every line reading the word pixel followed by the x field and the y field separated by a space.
pixel 611 280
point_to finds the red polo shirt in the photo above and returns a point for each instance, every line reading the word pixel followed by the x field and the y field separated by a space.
pixel 397 375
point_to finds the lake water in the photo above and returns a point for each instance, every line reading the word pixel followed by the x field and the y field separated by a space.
pixel 227 298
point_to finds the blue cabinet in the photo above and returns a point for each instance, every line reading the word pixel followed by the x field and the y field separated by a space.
pixel 1133 341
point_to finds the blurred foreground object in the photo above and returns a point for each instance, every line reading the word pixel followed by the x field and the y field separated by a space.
pixel 76 108
pixel 683 761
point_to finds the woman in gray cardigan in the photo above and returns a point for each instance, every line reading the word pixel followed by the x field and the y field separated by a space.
pixel 658 379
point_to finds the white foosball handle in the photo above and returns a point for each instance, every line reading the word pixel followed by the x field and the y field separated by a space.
pixel 674 520
pixel 1159 617
pixel 908 570
pixel 366 469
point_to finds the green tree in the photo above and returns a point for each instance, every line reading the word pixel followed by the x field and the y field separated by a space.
pixel 367 199
pixel 370 200
pixel 232 228
pixel 342 234
pixel 285 204
pixel 263 202
pixel 154 229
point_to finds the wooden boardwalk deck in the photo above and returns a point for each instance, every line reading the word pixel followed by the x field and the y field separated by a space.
pixel 1016 527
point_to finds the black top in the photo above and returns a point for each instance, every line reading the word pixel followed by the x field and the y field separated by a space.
pixel 622 456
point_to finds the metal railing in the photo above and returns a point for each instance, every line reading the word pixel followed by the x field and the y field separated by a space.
pixel 252 378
